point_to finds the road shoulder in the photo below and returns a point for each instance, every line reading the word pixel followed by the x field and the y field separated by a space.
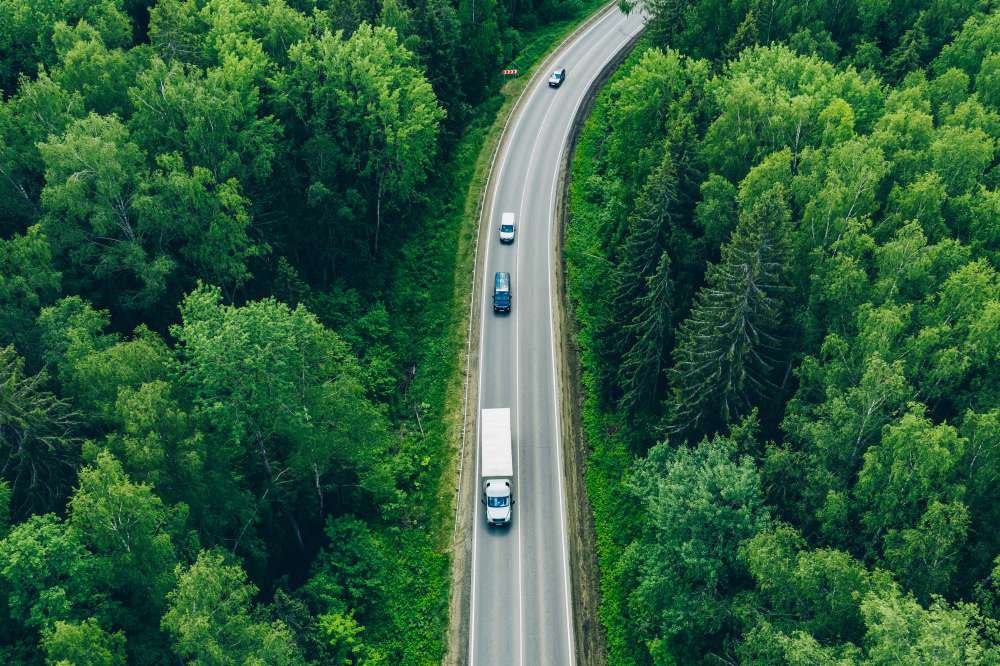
pixel 461 549
pixel 591 646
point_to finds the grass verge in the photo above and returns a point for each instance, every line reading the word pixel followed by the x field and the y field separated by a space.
pixel 609 460
pixel 430 300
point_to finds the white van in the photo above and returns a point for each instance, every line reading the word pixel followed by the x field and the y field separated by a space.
pixel 507 228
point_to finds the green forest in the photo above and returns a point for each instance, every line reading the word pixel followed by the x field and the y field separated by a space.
pixel 230 234
pixel 784 262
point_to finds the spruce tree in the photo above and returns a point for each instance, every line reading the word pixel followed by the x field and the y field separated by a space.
pixel 642 248
pixel 728 348
pixel 639 375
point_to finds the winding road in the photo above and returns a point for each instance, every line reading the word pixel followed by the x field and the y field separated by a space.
pixel 521 605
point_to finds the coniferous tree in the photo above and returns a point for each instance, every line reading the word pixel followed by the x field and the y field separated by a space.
pixel 38 442
pixel 728 348
pixel 640 373
pixel 640 256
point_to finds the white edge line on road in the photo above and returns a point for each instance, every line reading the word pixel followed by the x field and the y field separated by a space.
pixel 517 382
pixel 555 378
pixel 504 147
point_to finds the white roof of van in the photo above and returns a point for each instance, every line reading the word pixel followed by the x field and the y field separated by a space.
pixel 507 218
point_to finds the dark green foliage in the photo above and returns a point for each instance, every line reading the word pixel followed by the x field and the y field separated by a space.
pixel 26 36
pixel 701 504
pixel 640 322
pixel 640 372
pixel 728 351
pixel 838 228
pixel 39 440
pixel 168 169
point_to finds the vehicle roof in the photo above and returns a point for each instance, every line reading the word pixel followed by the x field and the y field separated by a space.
pixel 507 218
pixel 496 442
pixel 497 489
pixel 502 280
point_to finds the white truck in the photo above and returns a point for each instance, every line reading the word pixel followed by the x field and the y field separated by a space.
pixel 498 466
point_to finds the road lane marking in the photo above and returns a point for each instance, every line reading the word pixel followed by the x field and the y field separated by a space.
pixel 555 380
pixel 505 149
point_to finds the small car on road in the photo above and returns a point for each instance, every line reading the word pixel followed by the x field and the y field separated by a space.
pixel 507 228
pixel 557 77
pixel 501 292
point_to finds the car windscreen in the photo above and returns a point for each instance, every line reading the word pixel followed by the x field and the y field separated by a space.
pixel 506 227
pixel 496 502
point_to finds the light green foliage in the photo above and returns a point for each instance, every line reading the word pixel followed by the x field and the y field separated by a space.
pixel 92 173
pixel 882 456
pixel 988 80
pixel 47 574
pixel 913 466
pixel 206 220
pixel 26 35
pixel 40 108
pixel 282 391
pixel 661 90
pixel 771 99
pixel 83 644
pixel 975 42
pixel 28 280
pixel 158 443
pixel 383 131
pixel 342 632
pixel 716 212
pixel 212 621
pixel 961 156
pixel 149 145
pixel 111 220
pixel 93 367
pixel 212 117
pixel 764 645
pixel 817 591
pixel 900 631
pixel 127 527
pixel 928 554
pixel 100 75
pixel 702 503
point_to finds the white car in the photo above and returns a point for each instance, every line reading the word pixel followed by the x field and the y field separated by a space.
pixel 507 228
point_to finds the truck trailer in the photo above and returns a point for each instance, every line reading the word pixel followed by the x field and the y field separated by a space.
pixel 498 466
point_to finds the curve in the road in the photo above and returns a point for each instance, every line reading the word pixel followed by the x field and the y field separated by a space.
pixel 520 600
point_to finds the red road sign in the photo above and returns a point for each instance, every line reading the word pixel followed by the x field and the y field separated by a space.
pixel 510 72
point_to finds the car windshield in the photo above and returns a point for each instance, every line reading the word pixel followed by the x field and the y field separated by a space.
pixel 506 227
pixel 556 74
pixel 496 502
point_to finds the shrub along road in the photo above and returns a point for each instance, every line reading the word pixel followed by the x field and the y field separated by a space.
pixel 520 602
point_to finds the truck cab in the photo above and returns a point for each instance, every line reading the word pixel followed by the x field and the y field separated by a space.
pixel 498 500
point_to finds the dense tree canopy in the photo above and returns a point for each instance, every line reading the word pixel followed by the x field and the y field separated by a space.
pixel 829 378
pixel 222 427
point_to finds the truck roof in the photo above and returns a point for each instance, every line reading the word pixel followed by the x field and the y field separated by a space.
pixel 497 451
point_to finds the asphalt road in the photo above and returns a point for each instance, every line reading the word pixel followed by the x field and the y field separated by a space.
pixel 521 604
